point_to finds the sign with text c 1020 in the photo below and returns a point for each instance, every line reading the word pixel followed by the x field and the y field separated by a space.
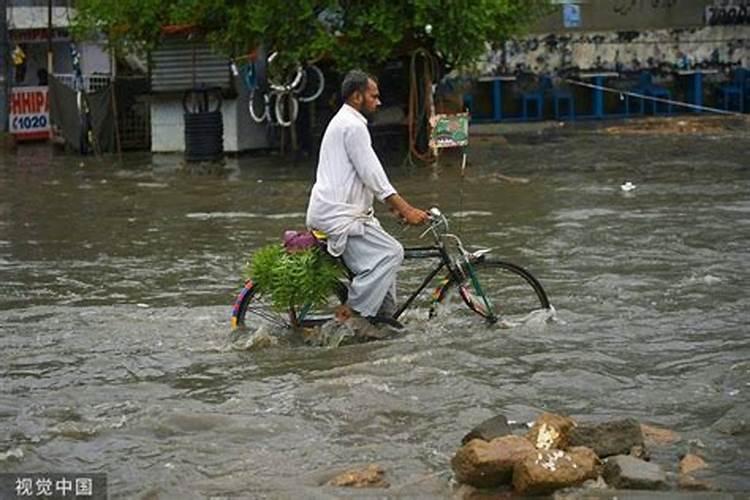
pixel 29 113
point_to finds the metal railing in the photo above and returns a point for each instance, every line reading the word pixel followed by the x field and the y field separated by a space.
pixel 89 83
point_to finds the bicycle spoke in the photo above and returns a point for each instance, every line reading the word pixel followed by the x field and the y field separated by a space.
pixel 271 317
pixel 250 305
pixel 498 289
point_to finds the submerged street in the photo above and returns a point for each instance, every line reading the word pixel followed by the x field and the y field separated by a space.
pixel 117 280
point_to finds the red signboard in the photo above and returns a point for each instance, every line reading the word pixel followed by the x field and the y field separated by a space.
pixel 29 113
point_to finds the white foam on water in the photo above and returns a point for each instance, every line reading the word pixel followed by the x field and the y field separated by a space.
pixel 243 215
pixel 705 279
pixel 470 213
pixel 12 454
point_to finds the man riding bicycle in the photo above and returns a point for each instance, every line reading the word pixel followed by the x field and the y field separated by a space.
pixel 349 177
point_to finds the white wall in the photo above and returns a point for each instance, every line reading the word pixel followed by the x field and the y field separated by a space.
pixel 719 47
pixel 94 58
pixel 168 126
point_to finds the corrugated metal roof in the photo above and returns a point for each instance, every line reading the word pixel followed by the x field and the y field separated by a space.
pixel 26 18
pixel 178 65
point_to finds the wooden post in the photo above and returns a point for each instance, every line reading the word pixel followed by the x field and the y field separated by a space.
pixel 113 89
pixel 50 57
pixel 4 67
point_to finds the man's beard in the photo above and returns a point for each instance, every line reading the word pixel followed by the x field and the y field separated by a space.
pixel 370 115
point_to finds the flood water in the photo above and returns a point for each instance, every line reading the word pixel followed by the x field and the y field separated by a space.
pixel 117 278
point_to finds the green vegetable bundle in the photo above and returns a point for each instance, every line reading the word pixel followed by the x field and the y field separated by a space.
pixel 294 279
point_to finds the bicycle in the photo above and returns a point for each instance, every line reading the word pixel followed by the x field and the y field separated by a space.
pixel 489 287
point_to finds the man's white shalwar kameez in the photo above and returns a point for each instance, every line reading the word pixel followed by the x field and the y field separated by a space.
pixel 349 177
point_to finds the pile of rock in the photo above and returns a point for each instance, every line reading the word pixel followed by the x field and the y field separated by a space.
pixel 558 452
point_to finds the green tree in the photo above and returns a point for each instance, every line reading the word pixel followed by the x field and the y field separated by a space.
pixel 348 32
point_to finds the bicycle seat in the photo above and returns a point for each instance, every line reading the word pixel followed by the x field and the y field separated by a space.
pixel 319 235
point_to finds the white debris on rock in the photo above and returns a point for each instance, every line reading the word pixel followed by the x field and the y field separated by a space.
pixel 550 463
pixel 546 437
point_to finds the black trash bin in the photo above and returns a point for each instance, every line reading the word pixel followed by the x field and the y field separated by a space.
pixel 204 126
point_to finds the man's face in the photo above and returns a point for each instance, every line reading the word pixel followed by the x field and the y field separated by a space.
pixel 368 101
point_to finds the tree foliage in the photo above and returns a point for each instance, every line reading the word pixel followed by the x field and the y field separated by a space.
pixel 350 33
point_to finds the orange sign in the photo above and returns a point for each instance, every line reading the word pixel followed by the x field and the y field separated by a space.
pixel 29 113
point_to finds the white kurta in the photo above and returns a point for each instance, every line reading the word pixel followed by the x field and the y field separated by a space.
pixel 349 177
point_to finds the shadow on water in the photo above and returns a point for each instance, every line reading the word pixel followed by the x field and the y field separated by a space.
pixel 116 282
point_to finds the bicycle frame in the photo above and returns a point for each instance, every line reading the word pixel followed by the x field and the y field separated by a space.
pixel 438 250
pixel 426 252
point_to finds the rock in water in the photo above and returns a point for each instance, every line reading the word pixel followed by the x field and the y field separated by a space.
pixel 550 431
pixel 371 476
pixel 487 464
pixel 734 422
pixel 624 471
pixel 691 463
pixel 658 436
pixel 548 470
pixel 687 482
pixel 488 430
pixel 617 437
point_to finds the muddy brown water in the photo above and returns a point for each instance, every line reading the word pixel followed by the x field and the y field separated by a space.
pixel 116 282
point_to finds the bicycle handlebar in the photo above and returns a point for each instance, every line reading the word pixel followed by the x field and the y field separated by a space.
pixel 436 220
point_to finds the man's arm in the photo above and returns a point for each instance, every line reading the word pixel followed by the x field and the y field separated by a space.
pixel 408 213
pixel 359 148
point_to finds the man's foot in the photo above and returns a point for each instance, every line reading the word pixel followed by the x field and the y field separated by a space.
pixel 385 320
pixel 344 313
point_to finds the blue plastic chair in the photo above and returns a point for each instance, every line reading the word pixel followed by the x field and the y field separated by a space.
pixel 536 97
pixel 562 95
pixel 559 95
pixel 738 88
pixel 647 88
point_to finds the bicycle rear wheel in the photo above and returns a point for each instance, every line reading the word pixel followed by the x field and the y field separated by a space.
pixel 500 289
pixel 252 309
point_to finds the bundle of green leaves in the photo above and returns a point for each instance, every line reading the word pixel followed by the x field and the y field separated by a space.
pixel 294 279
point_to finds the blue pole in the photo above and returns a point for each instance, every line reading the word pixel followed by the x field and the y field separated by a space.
pixel 698 91
pixel 497 100
pixel 599 97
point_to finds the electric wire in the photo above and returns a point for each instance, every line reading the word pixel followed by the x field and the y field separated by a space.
pixel 651 98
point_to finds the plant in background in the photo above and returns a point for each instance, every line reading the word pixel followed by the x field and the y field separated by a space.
pixel 293 280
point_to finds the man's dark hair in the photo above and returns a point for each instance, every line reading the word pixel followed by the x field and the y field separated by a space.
pixel 355 81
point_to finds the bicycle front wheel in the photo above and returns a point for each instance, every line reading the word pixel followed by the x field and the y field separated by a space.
pixel 495 289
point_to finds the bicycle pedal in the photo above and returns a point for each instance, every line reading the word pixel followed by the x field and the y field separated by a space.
pixel 385 320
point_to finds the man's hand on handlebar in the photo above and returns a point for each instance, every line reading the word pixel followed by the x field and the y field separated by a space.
pixel 415 216
pixel 405 211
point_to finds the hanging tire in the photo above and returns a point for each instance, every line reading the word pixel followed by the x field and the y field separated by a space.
pixel 291 108
pixel 258 106
pixel 314 82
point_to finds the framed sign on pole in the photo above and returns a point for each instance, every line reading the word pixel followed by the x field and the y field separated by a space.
pixel 29 113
